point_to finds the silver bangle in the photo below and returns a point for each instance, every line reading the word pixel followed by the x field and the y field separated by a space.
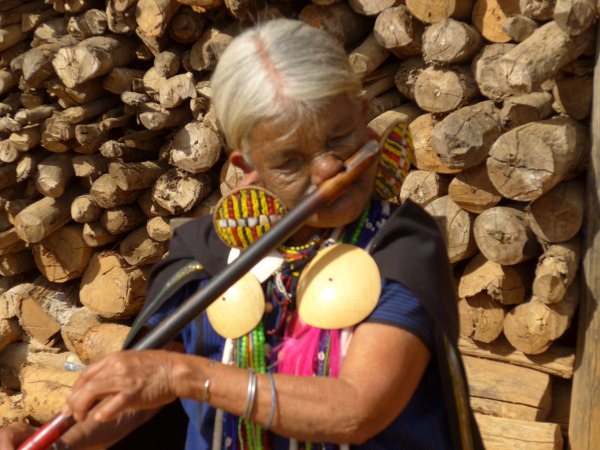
pixel 205 393
pixel 251 395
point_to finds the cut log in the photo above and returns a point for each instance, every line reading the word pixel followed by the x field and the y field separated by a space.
pixel 89 166
pixel 536 59
pixel 425 158
pixel 155 117
pixel 158 229
pixel 37 65
pixel 195 148
pixel 120 21
pixel 556 270
pixel 10 242
pixel 495 380
pixel 35 115
pixel 84 209
pixel 406 114
pixel 370 7
pixel 131 176
pixel 167 63
pixel 575 16
pixel 138 248
pixel 54 174
pixel 107 193
pixel 10 331
pixel 10 35
pixel 445 89
pixel 423 186
pixel 473 191
pixel 178 192
pixel 75 328
pixel 45 390
pixel 518 27
pixel 368 56
pixel 376 83
pixel 91 58
pixel 507 285
pixel 489 17
pixel 521 109
pixel 153 16
pixel 463 138
pixel 177 89
pixel 122 219
pixel 101 340
pixel 111 288
pixel 503 433
pixel 120 79
pixel 229 178
pixel 382 103
pixel 399 31
pixel 557 216
pixel 486 57
pixel 528 161
pixel 117 151
pixel 557 361
pixel 26 138
pixel 532 326
pixel 95 235
pixel 338 19
pixel 44 216
pixel 83 93
pixel 504 236
pixel 407 76
pixel 431 11
pixel 186 26
pixel 537 9
pixel 150 206
pixel 11 409
pixel 573 96
pixel 481 318
pixel 207 50
pixel 63 255
pixel 451 42
pixel 92 22
pixel 456 226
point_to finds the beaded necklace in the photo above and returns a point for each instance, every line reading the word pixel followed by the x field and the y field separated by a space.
pixel 249 351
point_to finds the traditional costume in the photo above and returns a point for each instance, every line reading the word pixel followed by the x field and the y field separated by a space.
pixel 417 294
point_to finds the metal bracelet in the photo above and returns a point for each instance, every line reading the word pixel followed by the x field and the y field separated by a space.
pixel 251 395
pixel 205 393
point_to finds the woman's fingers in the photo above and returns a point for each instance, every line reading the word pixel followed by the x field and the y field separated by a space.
pixel 127 379
pixel 13 435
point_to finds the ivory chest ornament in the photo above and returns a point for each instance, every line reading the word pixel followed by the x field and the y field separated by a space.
pixel 339 288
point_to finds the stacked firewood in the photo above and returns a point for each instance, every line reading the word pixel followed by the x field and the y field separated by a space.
pixel 108 135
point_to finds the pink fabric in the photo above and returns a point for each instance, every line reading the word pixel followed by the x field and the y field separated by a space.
pixel 298 353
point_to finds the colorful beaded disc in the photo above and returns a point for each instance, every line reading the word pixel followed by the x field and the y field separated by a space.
pixel 245 214
pixel 395 160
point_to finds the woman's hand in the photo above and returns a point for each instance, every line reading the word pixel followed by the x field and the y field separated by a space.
pixel 125 380
pixel 14 434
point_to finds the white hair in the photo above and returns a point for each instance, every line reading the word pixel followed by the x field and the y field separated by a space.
pixel 282 70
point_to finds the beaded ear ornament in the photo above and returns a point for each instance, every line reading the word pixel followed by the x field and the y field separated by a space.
pixel 394 162
pixel 245 214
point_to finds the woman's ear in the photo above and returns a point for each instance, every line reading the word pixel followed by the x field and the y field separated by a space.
pixel 251 176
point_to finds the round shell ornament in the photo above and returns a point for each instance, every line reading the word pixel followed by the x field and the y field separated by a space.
pixel 245 214
pixel 395 160
pixel 339 288
pixel 239 310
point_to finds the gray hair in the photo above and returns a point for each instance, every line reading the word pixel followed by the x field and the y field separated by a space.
pixel 282 70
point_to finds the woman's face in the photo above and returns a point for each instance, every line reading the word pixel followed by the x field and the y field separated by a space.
pixel 291 167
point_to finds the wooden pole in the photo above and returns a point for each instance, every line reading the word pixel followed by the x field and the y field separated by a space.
pixel 584 421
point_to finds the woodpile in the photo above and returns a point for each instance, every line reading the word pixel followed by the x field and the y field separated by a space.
pixel 107 135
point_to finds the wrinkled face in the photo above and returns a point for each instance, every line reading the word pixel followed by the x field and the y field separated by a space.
pixel 294 165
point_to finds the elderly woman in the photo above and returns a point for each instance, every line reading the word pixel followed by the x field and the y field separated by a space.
pixel 289 105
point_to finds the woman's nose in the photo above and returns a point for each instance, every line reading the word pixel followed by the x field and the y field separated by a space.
pixel 325 167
